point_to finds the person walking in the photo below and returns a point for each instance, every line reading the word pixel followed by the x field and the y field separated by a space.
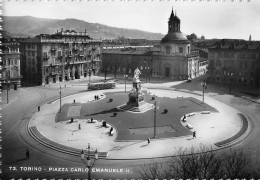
pixel 82 155
pixel 27 154
pixel 148 141
pixel 184 118
pixel 111 129
pixel 194 134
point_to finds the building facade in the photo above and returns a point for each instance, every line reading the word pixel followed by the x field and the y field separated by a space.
pixel 235 62
pixel 10 65
pixel 171 59
pixel 65 55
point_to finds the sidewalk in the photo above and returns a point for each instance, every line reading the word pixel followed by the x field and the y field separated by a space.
pixel 210 128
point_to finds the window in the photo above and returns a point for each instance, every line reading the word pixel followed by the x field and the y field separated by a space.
pixel 168 50
pixel 218 63
pixel 33 61
pixel 29 53
pixel 29 46
pixel 33 46
pixel 29 61
pixel 240 65
pixel 245 65
pixel 59 53
pixel 180 49
pixel 225 54
pixel 253 65
pixel 45 54
pixel 33 53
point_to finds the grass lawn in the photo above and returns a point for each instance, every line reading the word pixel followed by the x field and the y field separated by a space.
pixel 139 126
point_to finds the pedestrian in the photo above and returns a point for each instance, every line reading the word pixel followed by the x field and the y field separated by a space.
pixel 82 155
pixel 184 118
pixel 79 127
pixel 194 134
pixel 148 141
pixel 39 108
pixel 27 154
pixel 91 120
pixel 111 129
pixel 95 97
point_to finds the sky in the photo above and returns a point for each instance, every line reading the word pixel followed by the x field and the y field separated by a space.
pixel 235 19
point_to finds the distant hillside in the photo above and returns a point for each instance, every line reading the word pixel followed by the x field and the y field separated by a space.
pixel 24 26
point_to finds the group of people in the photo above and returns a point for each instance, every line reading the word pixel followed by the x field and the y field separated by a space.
pixel 193 135
pixel 96 97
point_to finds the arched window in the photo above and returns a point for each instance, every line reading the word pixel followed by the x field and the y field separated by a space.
pixel 168 50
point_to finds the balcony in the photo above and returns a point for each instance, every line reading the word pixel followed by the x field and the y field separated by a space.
pixel 46 57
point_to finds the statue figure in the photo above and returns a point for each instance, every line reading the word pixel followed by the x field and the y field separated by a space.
pixel 137 73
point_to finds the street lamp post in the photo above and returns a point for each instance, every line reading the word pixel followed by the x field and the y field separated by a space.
pixel 89 74
pixel 7 98
pixel 125 76
pixel 89 161
pixel 204 85
pixel 60 91
pixel 155 109
pixel 230 80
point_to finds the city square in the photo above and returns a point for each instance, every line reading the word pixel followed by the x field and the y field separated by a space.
pixel 86 100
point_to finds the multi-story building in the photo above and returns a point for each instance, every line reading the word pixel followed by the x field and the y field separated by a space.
pixel 203 59
pixel 171 59
pixel 10 57
pixel 235 62
pixel 65 55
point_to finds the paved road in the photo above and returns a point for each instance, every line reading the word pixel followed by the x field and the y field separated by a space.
pixel 24 102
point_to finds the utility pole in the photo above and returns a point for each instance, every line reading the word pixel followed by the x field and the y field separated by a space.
pixel 154 119
pixel 60 98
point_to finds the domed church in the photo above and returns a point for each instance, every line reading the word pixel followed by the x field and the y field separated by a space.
pixel 174 59
pixel 170 59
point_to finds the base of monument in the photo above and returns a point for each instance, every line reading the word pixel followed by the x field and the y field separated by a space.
pixel 143 107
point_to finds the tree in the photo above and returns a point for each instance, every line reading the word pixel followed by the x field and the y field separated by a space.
pixel 192 36
pixel 202 37
pixel 202 163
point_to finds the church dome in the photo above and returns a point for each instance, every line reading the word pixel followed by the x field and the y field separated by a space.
pixel 175 37
pixel 174 33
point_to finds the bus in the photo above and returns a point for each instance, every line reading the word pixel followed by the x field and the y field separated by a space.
pixel 101 85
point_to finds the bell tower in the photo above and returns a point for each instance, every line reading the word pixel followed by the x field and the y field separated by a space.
pixel 174 23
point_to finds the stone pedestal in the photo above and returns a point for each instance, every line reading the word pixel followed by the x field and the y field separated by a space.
pixel 136 96
pixel 135 99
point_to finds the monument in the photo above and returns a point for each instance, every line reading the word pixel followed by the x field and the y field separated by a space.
pixel 136 101
pixel 136 96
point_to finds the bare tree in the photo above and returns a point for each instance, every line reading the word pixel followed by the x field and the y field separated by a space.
pixel 201 163
pixel 152 170
pixel 236 164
